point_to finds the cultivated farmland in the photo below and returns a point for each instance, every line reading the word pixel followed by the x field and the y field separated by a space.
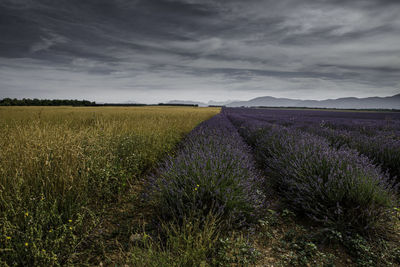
pixel 169 186
pixel 60 166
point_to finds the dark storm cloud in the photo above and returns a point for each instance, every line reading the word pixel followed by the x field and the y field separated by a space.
pixel 201 49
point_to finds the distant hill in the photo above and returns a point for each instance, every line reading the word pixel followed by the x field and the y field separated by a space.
pixel 219 103
pixel 390 102
pixel 201 104
pixel 186 102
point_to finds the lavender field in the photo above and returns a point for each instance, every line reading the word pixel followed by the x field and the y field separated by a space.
pixel 272 187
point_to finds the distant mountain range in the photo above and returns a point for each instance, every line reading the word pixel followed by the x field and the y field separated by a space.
pixel 390 102
pixel 201 104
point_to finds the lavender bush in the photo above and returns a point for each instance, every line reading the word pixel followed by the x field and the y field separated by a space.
pixel 339 188
pixel 380 149
pixel 213 172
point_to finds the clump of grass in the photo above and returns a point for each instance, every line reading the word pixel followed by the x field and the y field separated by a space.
pixel 60 166
pixel 190 242
pixel 235 250
pixel 287 243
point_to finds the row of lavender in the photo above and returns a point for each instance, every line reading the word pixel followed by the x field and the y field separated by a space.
pixel 375 135
pixel 366 122
pixel 334 186
pixel 212 173
pixel 381 149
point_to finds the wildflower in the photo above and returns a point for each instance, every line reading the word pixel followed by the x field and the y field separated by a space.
pixel 26 244
pixel 70 228
pixel 50 231
pixel 70 221
pixel 26 214
pixel 8 237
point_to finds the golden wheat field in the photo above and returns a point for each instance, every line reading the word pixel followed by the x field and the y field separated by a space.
pixel 60 165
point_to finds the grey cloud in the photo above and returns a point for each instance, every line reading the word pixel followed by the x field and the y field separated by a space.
pixel 233 48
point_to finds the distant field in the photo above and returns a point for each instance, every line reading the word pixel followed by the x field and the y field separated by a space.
pixel 332 109
pixel 59 165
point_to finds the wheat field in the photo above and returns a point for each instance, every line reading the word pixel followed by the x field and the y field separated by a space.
pixel 60 165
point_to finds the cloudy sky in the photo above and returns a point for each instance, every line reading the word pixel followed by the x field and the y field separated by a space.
pixel 158 50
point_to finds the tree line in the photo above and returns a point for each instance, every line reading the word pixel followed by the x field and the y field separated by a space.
pixel 44 102
pixel 68 102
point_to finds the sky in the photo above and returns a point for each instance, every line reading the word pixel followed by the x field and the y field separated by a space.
pixel 152 51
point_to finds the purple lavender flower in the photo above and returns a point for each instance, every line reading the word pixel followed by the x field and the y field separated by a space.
pixel 212 172
pixel 334 186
